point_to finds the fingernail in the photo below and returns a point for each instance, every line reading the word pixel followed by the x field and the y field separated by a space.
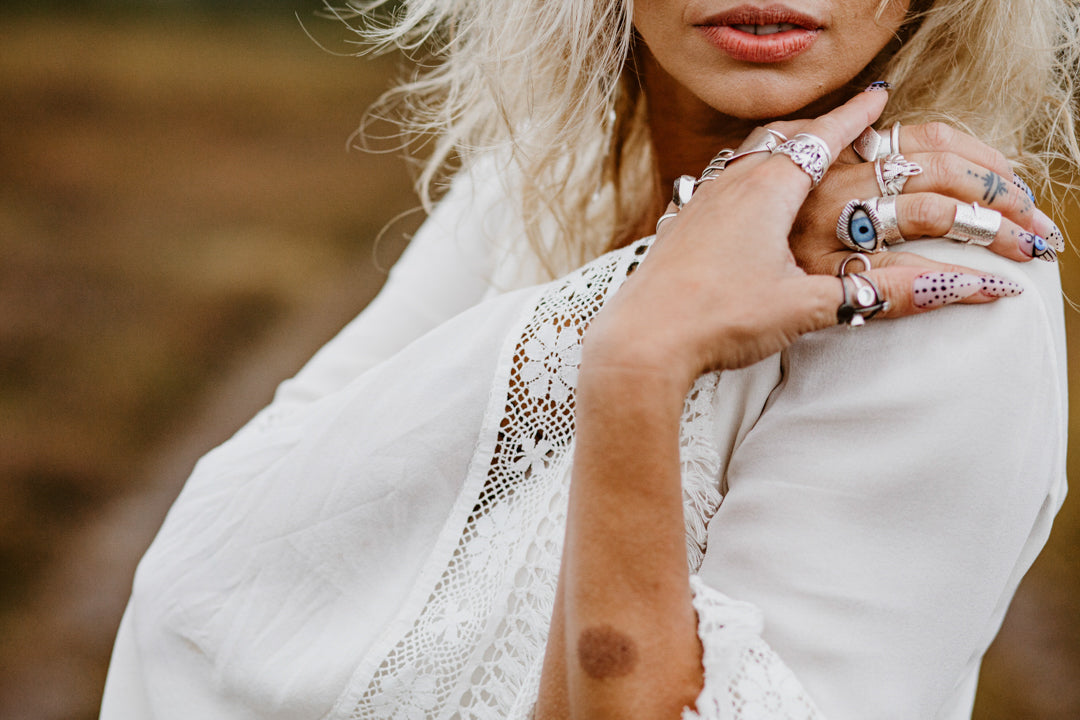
pixel 1034 246
pixel 1023 186
pixel 1056 239
pixel 878 85
pixel 933 290
pixel 997 286
pixel 1045 228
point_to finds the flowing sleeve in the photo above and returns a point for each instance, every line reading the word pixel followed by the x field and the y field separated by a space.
pixel 744 678
pixel 468 249
pixel 897 486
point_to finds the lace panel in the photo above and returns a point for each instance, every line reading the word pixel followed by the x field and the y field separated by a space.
pixel 744 678
pixel 476 648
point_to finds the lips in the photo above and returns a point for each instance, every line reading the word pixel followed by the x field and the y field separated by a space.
pixel 761 34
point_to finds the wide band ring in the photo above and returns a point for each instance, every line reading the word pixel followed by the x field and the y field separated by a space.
pixel 974 225
pixel 862 300
pixel 892 173
pixel 760 139
pixel 885 207
pixel 874 144
pixel 810 153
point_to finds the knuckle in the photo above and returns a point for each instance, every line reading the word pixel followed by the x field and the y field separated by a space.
pixel 925 214
pixel 938 135
pixel 942 167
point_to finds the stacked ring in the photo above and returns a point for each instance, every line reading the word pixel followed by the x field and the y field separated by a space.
pixel 810 153
pixel 862 300
pixel 874 144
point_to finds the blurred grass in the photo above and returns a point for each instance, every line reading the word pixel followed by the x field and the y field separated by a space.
pixel 174 191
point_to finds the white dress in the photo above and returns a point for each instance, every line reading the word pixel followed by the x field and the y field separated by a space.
pixel 883 491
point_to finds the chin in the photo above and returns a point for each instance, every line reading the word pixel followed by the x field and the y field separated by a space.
pixel 777 103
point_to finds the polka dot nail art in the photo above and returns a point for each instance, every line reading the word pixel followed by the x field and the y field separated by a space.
pixel 996 286
pixel 933 290
pixel 1023 186
pixel 1034 246
pixel 1056 240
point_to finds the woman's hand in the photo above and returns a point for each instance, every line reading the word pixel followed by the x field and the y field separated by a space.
pixel 721 288
pixel 956 169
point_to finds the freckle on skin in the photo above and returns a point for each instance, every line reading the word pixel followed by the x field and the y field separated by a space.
pixel 604 652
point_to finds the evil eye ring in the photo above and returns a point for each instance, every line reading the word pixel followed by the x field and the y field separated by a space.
pixel 868 226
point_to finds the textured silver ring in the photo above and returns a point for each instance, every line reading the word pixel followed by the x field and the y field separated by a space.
pixel 894 137
pixel 760 139
pixel 810 153
pixel 974 225
pixel 892 173
pixel 889 228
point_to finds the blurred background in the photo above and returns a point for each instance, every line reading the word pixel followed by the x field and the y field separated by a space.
pixel 182 224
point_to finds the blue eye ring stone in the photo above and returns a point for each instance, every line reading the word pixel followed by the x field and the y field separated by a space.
pixel 859 227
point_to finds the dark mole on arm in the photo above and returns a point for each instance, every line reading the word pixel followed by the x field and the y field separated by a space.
pixel 604 652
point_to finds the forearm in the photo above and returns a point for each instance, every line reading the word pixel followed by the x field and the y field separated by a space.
pixel 624 636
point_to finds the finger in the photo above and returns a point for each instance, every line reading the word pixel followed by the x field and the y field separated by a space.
pixel 912 290
pixel 991 287
pixel 929 215
pixel 941 138
pixel 954 175
pixel 836 129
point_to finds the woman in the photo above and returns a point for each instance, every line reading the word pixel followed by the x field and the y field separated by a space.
pixel 390 543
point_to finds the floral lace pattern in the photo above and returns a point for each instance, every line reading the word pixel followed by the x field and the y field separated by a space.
pixel 476 647
pixel 744 678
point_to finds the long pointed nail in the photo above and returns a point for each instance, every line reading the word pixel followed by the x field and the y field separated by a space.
pixel 997 286
pixel 933 290
pixel 1023 186
pixel 1056 239
pixel 1045 228
pixel 1034 246
pixel 879 85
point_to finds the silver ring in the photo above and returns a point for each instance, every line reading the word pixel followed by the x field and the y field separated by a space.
pixel 874 144
pixel 974 225
pixel 665 216
pixel 810 153
pixel 889 230
pixel 716 165
pixel 860 228
pixel 892 173
pixel 864 303
pixel 682 191
pixel 760 139
pixel 854 256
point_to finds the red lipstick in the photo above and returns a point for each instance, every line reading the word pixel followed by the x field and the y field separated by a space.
pixel 761 34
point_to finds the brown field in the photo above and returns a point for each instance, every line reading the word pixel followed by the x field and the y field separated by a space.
pixel 180 228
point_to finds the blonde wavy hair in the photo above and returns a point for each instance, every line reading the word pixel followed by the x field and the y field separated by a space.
pixel 549 88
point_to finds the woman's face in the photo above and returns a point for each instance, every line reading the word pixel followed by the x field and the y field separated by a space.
pixel 758 59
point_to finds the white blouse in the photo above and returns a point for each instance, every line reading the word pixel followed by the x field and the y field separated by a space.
pixel 883 491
